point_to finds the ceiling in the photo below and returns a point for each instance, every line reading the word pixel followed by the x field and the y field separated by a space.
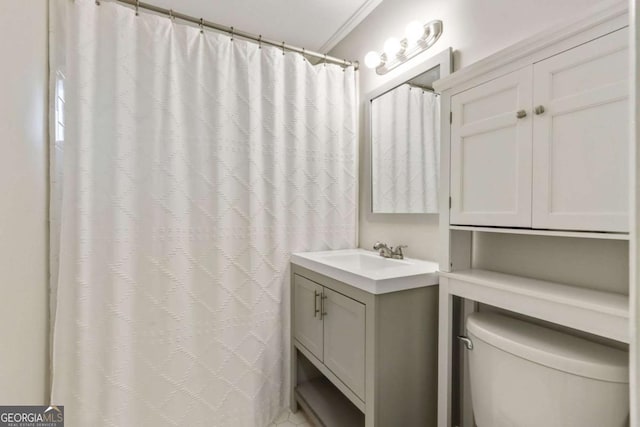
pixel 316 25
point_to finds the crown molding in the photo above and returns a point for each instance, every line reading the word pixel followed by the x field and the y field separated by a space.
pixel 363 11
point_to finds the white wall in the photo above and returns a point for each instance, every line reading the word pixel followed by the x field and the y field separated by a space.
pixel 23 202
pixel 474 29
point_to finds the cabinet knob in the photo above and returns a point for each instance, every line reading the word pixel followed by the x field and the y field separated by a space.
pixel 521 114
pixel 539 109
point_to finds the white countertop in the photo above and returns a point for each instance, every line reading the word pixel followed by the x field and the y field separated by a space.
pixel 368 271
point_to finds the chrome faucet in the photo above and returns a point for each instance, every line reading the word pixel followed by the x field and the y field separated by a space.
pixel 384 250
pixel 389 252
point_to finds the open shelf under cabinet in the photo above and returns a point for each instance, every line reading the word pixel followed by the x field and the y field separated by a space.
pixel 601 313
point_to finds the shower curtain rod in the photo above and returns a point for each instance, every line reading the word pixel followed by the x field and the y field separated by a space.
pixel 233 32
pixel 424 88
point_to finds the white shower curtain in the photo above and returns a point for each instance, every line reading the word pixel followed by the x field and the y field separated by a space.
pixel 405 129
pixel 191 167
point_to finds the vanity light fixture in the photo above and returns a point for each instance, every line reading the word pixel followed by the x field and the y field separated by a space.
pixel 418 38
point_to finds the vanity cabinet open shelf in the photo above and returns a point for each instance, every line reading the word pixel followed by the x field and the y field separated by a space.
pixel 362 358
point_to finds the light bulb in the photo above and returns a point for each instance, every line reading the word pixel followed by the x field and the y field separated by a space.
pixel 372 59
pixel 392 47
pixel 414 32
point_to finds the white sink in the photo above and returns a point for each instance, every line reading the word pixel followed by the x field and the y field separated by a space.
pixel 369 271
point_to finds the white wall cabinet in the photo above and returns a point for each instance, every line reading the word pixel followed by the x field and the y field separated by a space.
pixel 546 146
pixel 491 153
pixel 580 137
pixel 534 142
pixel 363 359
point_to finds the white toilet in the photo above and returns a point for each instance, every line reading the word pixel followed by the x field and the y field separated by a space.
pixel 524 375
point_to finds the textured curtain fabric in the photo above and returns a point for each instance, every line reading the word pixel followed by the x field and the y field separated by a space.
pixel 192 166
pixel 405 148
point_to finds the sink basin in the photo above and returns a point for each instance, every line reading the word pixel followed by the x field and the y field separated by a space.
pixel 369 271
pixel 361 261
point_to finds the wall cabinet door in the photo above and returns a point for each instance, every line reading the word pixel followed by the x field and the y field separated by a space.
pixel 491 152
pixel 307 317
pixel 344 339
pixel 580 139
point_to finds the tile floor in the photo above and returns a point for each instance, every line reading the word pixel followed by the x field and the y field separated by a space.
pixel 289 419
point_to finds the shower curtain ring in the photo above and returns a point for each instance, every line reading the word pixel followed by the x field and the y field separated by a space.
pixel 137 7
pixel 325 59
pixel 303 57
pixel 260 41
pixel 201 25
pixel 283 48
pixel 171 17
pixel 231 33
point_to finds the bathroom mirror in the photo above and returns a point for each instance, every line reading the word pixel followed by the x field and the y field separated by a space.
pixel 403 128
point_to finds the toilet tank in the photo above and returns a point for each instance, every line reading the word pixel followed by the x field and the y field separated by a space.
pixel 524 375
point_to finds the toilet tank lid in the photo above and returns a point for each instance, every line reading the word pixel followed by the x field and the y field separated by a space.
pixel 550 348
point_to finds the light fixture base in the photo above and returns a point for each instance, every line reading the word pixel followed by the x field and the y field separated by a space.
pixel 432 32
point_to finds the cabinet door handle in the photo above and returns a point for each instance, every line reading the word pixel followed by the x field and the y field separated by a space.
pixel 521 114
pixel 316 294
pixel 539 109
pixel 323 313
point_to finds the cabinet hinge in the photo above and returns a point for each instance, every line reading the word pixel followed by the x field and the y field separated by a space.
pixel 450 116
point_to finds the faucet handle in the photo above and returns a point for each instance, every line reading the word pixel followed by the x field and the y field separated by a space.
pixel 398 250
pixel 379 245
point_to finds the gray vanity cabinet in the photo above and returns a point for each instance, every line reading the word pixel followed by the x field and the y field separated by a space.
pixel 307 317
pixel 332 327
pixel 344 329
pixel 362 359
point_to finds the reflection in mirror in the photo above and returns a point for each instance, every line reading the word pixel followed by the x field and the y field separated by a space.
pixel 405 142
pixel 405 147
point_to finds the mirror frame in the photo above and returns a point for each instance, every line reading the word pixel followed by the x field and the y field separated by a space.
pixel 444 59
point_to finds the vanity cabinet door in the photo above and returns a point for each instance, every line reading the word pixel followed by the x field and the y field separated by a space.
pixel 307 317
pixel 491 152
pixel 581 137
pixel 344 339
